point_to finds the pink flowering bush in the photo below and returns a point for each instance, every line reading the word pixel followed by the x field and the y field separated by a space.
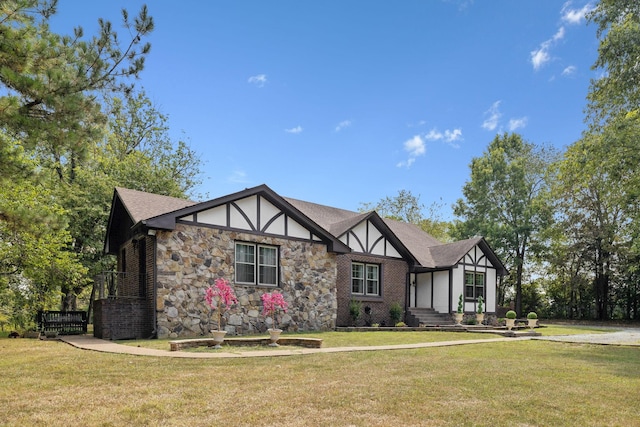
pixel 219 296
pixel 271 303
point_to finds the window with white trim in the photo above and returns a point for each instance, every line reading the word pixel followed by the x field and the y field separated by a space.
pixel 254 261
pixel 473 285
pixel 365 279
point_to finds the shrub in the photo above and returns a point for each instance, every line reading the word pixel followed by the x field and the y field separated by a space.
pixel 400 325
pixel 460 304
pixel 354 310
pixel 511 314
pixel 532 315
pixel 480 300
pixel 395 312
pixel 375 325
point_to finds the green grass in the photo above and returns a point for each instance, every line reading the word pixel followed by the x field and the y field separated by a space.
pixel 523 383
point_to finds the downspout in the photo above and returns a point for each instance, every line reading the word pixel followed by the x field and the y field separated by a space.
pixel 450 290
pixel 154 332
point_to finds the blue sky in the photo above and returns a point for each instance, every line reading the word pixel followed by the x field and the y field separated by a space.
pixel 348 102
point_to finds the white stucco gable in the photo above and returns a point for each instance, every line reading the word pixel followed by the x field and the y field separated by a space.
pixel 366 237
pixel 253 213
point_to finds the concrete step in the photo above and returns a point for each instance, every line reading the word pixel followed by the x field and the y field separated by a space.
pixel 428 317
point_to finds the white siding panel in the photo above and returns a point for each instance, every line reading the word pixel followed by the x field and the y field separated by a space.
pixel 490 305
pixel 294 229
pixel 238 220
pixel 376 248
pixel 249 205
pixel 214 216
pixel 360 231
pixel 392 252
pixel 267 212
pixel 423 289
pixel 374 235
pixel 187 218
pixel 276 227
pixel 441 291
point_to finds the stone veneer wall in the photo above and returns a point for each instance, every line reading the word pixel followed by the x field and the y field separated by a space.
pixel 190 259
pixel 393 282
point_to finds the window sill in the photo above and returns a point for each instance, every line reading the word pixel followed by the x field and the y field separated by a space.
pixel 370 298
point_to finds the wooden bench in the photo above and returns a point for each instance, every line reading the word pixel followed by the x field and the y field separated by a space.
pixel 63 322
pixel 245 342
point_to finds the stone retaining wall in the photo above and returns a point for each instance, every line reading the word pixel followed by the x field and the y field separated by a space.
pixel 190 259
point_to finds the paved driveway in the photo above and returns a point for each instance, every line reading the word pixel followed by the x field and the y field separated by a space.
pixel 627 336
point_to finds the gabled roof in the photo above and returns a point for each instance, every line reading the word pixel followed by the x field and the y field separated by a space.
pixel 161 212
pixel 141 205
pixel 449 254
pixel 137 208
pixel 130 207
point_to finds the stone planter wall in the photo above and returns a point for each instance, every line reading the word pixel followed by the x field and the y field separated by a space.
pixel 190 259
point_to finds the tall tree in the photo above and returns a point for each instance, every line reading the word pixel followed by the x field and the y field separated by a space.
pixel 616 92
pixel 406 207
pixel 506 201
pixel 51 88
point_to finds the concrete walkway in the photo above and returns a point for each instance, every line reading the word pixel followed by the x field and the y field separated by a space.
pixel 627 337
pixel 88 342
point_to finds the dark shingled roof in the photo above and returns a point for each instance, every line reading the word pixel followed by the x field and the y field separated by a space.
pixel 429 252
pixel 141 205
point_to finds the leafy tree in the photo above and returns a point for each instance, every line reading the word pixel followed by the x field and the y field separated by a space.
pixel 406 207
pixel 616 91
pixel 51 83
pixel 51 88
pixel 506 201
pixel 595 220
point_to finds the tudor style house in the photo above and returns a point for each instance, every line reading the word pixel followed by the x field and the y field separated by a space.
pixel 320 258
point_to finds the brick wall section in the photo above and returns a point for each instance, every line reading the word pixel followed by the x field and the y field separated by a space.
pixel 116 319
pixel 128 284
pixel 131 315
pixel 393 284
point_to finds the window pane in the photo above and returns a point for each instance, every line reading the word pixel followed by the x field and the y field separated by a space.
pixel 245 273
pixel 479 291
pixel 357 278
pixel 468 278
pixel 245 253
pixel 268 275
pixel 479 279
pixel 267 256
pixel 372 280
pixel 245 263
pixel 468 292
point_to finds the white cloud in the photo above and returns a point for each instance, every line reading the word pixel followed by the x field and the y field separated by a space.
pixel 494 114
pixel 343 124
pixel 434 135
pixel 296 129
pixel 259 80
pixel 515 124
pixel 575 16
pixel 449 136
pixel 541 56
pixel 452 135
pixel 415 147
pixel 570 16
pixel 569 71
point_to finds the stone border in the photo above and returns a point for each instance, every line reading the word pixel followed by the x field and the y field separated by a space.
pixel 179 345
